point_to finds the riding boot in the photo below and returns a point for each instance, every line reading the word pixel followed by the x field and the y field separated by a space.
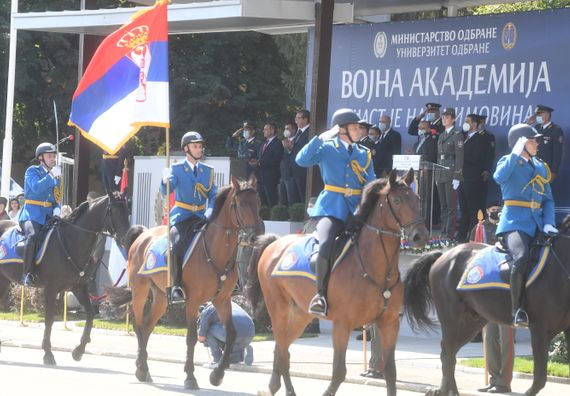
pixel 520 317
pixel 28 277
pixel 318 305
pixel 177 294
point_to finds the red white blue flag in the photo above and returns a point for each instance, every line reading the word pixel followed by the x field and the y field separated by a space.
pixel 125 85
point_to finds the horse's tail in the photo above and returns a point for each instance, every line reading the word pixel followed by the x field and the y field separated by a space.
pixel 417 293
pixel 118 296
pixel 132 234
pixel 253 291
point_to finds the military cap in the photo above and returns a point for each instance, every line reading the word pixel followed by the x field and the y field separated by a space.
pixel 494 203
pixel 482 117
pixel 449 111
pixel 432 106
pixel 247 124
pixel 365 124
pixel 474 117
pixel 540 108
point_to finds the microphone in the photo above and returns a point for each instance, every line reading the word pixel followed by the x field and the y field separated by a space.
pixel 70 138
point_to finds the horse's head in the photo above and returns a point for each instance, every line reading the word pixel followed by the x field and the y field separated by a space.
pixel 244 206
pixel 116 215
pixel 391 205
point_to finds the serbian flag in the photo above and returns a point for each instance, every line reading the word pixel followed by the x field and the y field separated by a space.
pixel 125 85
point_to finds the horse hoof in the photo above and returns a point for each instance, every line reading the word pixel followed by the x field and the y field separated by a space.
pixel 216 377
pixel 191 384
pixel 49 360
pixel 143 376
pixel 77 354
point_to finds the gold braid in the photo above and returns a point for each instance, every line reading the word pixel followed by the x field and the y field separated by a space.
pixel 540 181
pixel 58 190
pixel 202 190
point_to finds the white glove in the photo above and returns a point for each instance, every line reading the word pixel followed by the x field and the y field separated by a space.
pixel 519 145
pixel 455 184
pixel 330 134
pixel 57 211
pixel 549 229
pixel 166 173
pixel 208 213
pixel 56 171
pixel 117 179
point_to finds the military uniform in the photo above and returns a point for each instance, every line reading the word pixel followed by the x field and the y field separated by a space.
pixel 112 168
pixel 247 149
pixel 489 159
pixel 449 154
pixel 435 125
pixel 426 147
pixel 551 144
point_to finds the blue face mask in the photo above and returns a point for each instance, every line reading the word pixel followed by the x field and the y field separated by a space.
pixel 383 126
pixel 430 117
pixel 539 119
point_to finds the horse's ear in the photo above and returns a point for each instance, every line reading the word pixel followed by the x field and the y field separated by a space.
pixel 253 181
pixel 392 178
pixel 409 177
pixel 235 183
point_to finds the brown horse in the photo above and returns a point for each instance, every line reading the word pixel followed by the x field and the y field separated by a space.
pixel 365 287
pixel 209 274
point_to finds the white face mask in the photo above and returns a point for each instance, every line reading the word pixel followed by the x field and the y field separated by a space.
pixel 466 127
pixel 246 134
pixel 421 132
pixel 287 133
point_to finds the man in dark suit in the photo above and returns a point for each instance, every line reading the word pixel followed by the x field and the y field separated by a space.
pixel 490 159
pixel 431 115
pixel 112 169
pixel 267 166
pixel 286 188
pixel 301 138
pixel 552 142
pixel 471 190
pixel 426 146
pixel 389 144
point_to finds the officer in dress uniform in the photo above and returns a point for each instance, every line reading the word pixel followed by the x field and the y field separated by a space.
pixel 42 194
pixel 193 184
pixel 345 169
pixel 528 206
pixel 426 147
pixel 450 156
pixel 365 138
pixel 552 142
pixel 112 170
pixel 431 115
pixel 248 146
pixel 489 156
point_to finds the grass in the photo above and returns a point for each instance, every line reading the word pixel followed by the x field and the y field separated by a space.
pixel 523 364
pixel 37 317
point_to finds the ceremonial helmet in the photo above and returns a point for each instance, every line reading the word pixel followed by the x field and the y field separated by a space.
pixel 521 130
pixel 45 148
pixel 343 117
pixel 191 137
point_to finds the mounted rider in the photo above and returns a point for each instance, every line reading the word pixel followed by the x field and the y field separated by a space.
pixel 528 207
pixel 345 170
pixel 195 190
pixel 42 194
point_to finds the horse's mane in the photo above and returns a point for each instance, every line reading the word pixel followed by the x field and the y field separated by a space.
pixel 219 201
pixel 77 212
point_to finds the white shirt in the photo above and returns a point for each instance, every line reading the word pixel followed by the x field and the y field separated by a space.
pixel 546 125
pixel 191 165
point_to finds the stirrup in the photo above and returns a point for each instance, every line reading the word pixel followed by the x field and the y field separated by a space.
pixel 29 280
pixel 520 319
pixel 318 306
pixel 176 295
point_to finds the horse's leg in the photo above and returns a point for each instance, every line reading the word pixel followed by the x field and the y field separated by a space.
pixel 540 342
pixel 49 301
pixel 224 310
pixel 82 294
pixel 140 288
pixel 191 337
pixel 340 334
pixel 389 328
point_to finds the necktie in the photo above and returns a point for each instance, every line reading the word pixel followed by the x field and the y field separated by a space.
pixel 196 170
pixel 264 146
pixel 350 149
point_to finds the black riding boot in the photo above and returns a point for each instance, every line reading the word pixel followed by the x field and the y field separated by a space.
pixel 318 305
pixel 520 317
pixel 177 294
pixel 28 276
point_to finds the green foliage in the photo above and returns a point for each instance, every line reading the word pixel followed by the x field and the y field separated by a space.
pixel 297 212
pixel 279 213
pixel 264 213
pixel 520 7
pixel 523 364
pixel 558 351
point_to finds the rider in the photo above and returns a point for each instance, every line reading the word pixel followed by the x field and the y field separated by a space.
pixel 193 183
pixel 345 169
pixel 528 206
pixel 42 185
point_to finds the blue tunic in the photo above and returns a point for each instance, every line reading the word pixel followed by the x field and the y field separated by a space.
pixel 39 186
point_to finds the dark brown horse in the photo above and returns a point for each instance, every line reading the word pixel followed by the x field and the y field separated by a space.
pixel 434 278
pixel 365 287
pixel 209 275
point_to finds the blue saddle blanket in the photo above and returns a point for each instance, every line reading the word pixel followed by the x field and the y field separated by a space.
pixel 296 261
pixel 483 271
pixel 155 257
pixel 9 241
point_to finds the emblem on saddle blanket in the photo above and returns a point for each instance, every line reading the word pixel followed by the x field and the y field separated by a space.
pixel 8 247
pixel 484 270
pixel 155 256
pixel 296 261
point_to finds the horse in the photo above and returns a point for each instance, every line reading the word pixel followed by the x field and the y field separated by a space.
pixel 67 262
pixel 433 280
pixel 209 274
pixel 360 291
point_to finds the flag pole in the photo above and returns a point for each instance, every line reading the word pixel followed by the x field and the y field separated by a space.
pixel 168 253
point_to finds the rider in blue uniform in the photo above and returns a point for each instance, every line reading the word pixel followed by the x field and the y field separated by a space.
pixel 528 206
pixel 42 194
pixel 195 190
pixel 345 170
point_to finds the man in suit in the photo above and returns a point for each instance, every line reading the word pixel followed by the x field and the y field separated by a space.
pixel 245 143
pixel 490 159
pixel 472 188
pixel 426 147
pixel 431 115
pixel 301 138
pixel 552 142
pixel 286 188
pixel 389 144
pixel 449 174
pixel 267 166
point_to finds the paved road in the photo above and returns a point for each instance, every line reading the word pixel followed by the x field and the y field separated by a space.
pixel 101 376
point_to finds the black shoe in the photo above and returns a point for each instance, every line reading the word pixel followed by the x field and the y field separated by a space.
pixel 486 389
pixel 318 306
pixel 177 295
pixel 500 389
pixel 520 319
pixel 373 374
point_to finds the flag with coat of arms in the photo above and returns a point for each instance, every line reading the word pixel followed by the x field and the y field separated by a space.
pixel 125 85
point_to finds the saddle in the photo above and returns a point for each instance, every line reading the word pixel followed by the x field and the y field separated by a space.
pixel 13 240
pixel 505 266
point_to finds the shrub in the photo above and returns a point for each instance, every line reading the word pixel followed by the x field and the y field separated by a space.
pixel 264 213
pixel 33 299
pixel 279 213
pixel 297 212
pixel 557 351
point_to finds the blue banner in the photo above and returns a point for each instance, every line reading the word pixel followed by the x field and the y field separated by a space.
pixel 501 66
